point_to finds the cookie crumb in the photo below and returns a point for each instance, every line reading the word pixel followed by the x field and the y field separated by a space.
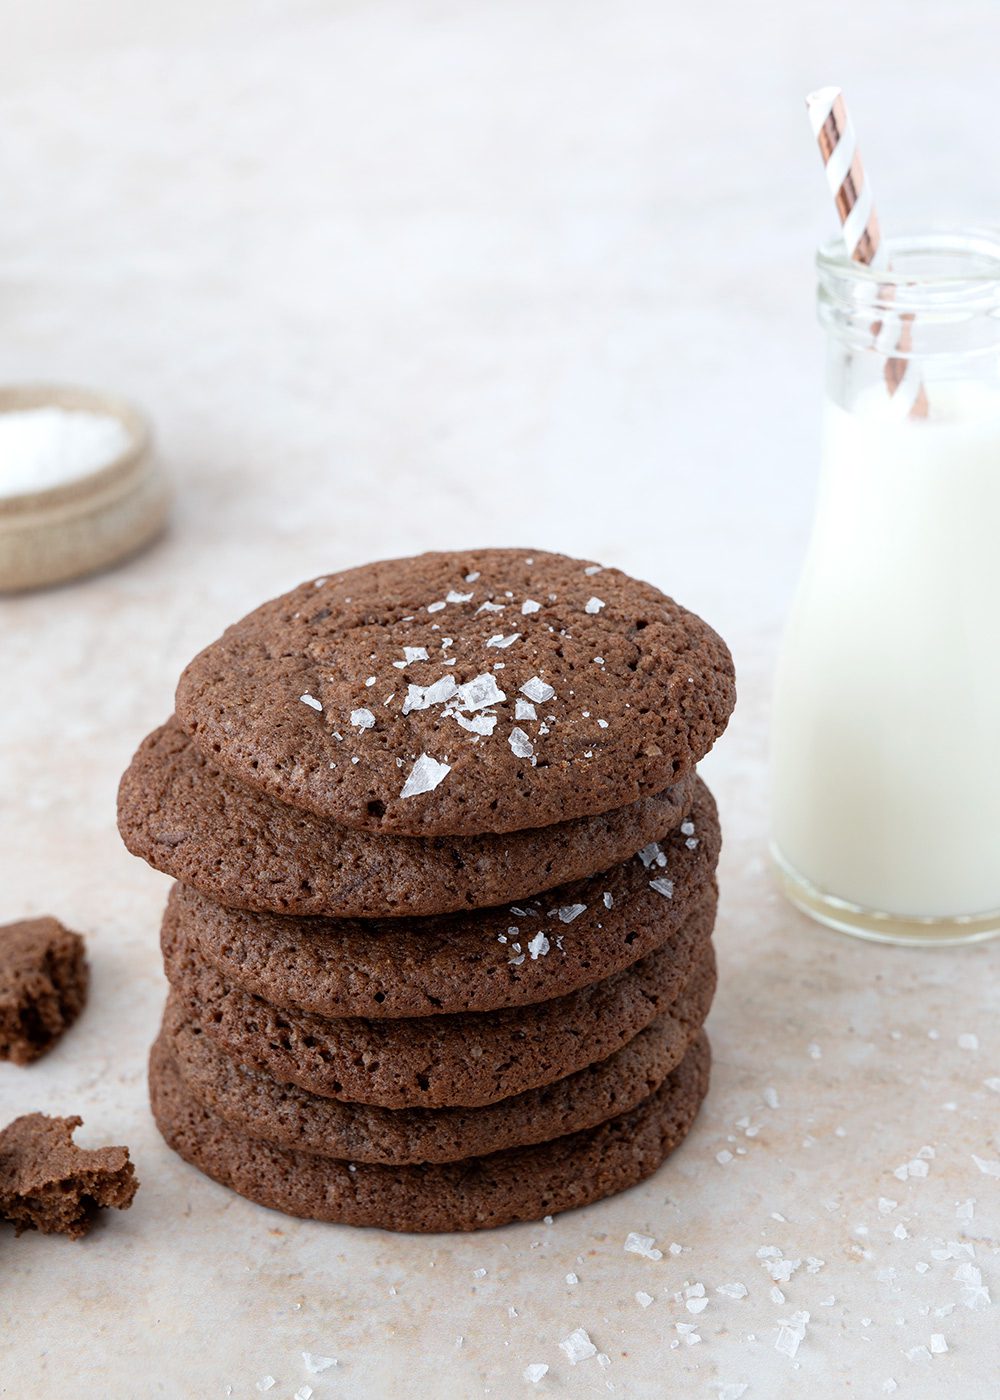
pixel 47 1183
pixel 43 986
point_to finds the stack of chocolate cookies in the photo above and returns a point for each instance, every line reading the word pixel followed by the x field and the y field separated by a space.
pixel 440 948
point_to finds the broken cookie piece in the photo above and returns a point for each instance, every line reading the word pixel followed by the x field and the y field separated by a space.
pixel 43 986
pixel 47 1183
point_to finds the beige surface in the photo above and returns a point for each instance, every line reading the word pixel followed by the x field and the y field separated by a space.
pixel 390 276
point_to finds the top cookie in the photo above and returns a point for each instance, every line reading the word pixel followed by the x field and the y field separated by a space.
pixel 461 693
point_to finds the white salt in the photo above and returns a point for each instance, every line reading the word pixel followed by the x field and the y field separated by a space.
pixel 45 447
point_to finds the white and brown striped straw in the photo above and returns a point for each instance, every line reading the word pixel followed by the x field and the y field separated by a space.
pixel 845 174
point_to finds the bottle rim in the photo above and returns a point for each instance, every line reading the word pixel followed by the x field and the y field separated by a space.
pixel 933 270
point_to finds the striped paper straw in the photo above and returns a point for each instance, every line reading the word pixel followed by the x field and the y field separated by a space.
pixel 845 174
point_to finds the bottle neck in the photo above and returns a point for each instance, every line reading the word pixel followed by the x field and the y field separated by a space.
pixel 930 312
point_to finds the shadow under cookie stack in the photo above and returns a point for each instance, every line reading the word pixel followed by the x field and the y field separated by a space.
pixel 439 949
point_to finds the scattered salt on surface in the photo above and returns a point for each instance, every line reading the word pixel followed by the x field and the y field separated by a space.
pixel 578 1346
pixel 791 1332
pixel 315 1364
pixel 987 1168
pixel 311 701
pixel 644 1245
pixel 535 1372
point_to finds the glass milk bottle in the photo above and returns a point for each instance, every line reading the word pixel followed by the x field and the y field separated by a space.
pixel 886 719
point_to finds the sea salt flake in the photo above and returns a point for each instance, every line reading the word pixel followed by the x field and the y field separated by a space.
pixel 502 642
pixel 938 1344
pixel 529 606
pixel 425 775
pixel 781 1270
pixel 901 1232
pixel 688 1332
pixel 732 1290
pixel 421 697
pixel 770 1097
pixel 537 690
pixel 977 1295
pixel 730 1390
pixel 370 682
pixel 304 1392
pixel 644 1245
pixel 538 946
pixel 566 913
pixel 968 1041
pixel 696 1305
pixel 643 1299
pixel 578 1346
pixel 415 654
pixel 480 693
pixel 791 1332
pixel 652 855
pixel 965 1210
pixel 885 1206
pixel 454 597
pixel 993 1083
pixel 524 709
pixel 663 886
pixel 477 724
pixel 311 701
pixel 723 1157
pixel 986 1167
pixel 594 605
pixel 471 578
pixel 572 1280
pixel 316 1365
pixel 593 569
pixel 535 1372
pixel 608 899
pixel 917 1354
pixel 602 724
pixel 489 608
pixel 479 1273
pixel 265 1383
pixel 362 719
pixel 436 607
pixel 520 745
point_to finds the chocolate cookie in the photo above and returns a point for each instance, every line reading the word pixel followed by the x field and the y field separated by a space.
pixel 245 850
pixel 43 986
pixel 523 1183
pixel 292 1117
pixel 460 962
pixel 47 1183
pixel 483 691
pixel 467 1059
